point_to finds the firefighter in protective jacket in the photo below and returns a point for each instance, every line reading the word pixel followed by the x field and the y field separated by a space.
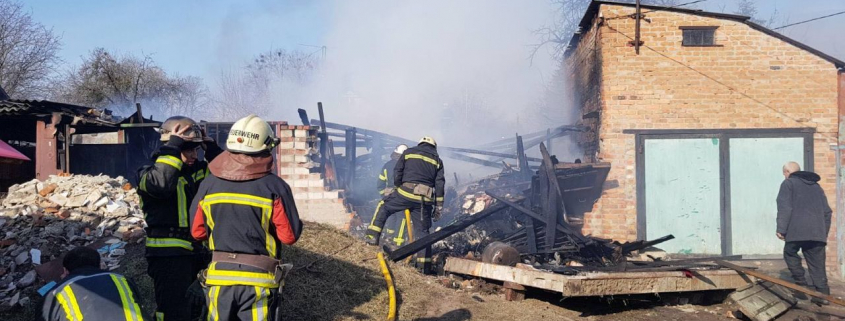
pixel 420 183
pixel 245 213
pixel 87 292
pixel 394 228
pixel 166 189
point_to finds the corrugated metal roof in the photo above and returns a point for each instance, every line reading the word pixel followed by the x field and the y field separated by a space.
pixel 592 10
pixel 16 107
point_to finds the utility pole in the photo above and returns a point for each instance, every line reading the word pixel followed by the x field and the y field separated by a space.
pixel 637 31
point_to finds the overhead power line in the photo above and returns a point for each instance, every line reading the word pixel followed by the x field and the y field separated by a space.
pixel 806 21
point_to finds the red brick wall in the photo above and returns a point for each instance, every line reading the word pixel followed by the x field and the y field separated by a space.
pixel 294 164
pixel 751 80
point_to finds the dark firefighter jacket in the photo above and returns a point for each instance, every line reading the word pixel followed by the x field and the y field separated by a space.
pixel 421 165
pixel 385 178
pixel 166 189
pixel 92 294
pixel 243 208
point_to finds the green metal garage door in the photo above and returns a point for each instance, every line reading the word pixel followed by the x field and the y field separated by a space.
pixel 682 191
pixel 755 177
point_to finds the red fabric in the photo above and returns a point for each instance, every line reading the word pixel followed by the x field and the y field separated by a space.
pixel 280 220
pixel 7 151
pixel 198 228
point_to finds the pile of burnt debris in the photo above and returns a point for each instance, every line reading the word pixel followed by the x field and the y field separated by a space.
pixel 536 219
pixel 42 220
pixel 533 209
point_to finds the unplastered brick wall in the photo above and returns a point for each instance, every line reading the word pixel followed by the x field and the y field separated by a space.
pixel 750 80
pixel 295 161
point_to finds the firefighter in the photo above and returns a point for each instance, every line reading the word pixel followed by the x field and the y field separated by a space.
pixel 394 228
pixel 245 213
pixel 88 292
pixel 418 176
pixel 166 189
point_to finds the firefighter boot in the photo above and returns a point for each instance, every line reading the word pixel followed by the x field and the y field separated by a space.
pixel 372 237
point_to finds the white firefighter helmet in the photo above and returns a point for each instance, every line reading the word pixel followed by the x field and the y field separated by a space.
pixel 193 135
pixel 251 135
pixel 428 140
pixel 400 149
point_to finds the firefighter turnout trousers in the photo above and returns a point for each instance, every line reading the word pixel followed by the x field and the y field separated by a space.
pixel 240 302
pixel 419 224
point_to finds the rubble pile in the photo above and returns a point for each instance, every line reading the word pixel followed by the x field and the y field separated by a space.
pixel 41 220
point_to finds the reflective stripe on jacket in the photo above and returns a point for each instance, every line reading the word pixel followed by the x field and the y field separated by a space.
pixel 250 217
pixel 92 295
pixel 420 165
pixel 166 189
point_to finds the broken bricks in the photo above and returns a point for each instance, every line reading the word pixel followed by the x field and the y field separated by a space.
pixel 42 220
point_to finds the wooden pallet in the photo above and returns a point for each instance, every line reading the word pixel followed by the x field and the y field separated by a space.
pixel 601 283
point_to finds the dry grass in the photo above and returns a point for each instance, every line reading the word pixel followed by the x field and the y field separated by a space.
pixel 337 277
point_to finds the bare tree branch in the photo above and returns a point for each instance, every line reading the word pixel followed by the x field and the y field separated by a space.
pixel 28 52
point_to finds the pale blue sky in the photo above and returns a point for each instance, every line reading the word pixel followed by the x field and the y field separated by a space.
pixel 201 38
pixel 189 37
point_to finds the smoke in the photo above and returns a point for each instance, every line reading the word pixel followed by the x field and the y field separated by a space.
pixel 455 70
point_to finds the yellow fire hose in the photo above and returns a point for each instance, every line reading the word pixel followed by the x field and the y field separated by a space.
pixel 391 290
pixel 410 232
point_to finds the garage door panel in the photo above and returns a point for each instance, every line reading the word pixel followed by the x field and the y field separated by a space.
pixel 755 178
pixel 683 194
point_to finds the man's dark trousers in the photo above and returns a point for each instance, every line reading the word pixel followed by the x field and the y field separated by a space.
pixel 814 254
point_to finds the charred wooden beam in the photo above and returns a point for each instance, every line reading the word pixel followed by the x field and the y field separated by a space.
pixel 636 246
pixel 562 227
pixel 303 116
pixel 425 241
pixel 324 138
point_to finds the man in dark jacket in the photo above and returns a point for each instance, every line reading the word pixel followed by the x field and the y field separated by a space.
pixel 245 213
pixel 87 292
pixel 803 222
pixel 420 185
pixel 166 189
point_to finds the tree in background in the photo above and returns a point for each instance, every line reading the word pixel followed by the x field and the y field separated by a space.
pixel 28 52
pixel 749 8
pixel 271 81
pixel 118 83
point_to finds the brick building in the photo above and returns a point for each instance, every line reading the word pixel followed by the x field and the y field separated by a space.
pixel 698 124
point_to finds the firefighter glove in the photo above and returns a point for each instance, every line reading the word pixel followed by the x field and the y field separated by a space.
pixel 195 295
pixel 388 191
pixel 438 211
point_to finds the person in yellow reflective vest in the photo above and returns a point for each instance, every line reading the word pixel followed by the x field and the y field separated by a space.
pixel 395 227
pixel 420 189
pixel 87 292
pixel 166 189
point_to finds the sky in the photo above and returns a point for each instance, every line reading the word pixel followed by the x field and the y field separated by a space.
pixel 393 66
pixel 200 38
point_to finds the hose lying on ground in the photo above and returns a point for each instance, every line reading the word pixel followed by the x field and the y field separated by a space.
pixel 391 290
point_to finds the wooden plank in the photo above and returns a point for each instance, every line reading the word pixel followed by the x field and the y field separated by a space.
pixel 764 301
pixel 324 140
pixel 530 236
pixel 554 205
pixel 780 282
pixel 601 283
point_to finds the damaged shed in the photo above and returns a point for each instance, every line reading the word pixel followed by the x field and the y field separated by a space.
pixel 697 112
